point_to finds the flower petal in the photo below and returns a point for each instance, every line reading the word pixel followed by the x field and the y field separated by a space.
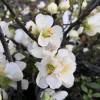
pixel 19 56
pixel 30 24
pixel 43 21
pixel 61 95
pixel 41 82
pixel 57 31
pixel 5 29
pixel 24 84
pixel 68 80
pixel 13 71
pixel 43 41
pixel 36 52
pixel 53 81
pixel 19 35
pixel 21 65
pixel 66 17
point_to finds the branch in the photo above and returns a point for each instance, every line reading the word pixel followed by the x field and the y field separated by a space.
pixel 10 59
pixel 5 46
pixel 92 5
pixel 18 21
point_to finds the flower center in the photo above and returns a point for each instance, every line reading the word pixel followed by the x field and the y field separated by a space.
pixel 65 68
pixel 47 32
pixel 50 68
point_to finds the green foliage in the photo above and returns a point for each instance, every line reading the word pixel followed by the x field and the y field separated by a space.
pixel 4 81
pixel 97 95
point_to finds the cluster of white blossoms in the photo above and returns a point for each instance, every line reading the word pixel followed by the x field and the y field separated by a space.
pixel 57 65
pixel 53 8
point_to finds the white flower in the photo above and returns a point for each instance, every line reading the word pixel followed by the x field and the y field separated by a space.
pixel 3 60
pixel 40 52
pixel 69 47
pixel 5 29
pixel 73 34
pixel 84 4
pixel 41 5
pixel 13 71
pixel 1 48
pixel 26 10
pixel 12 47
pixel 94 24
pixel 19 56
pixel 59 95
pixel 31 27
pixel 22 37
pixel 56 71
pixel 64 5
pixel 47 31
pixel 52 8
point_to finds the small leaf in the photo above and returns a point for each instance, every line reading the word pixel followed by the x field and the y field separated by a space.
pixel 97 95
pixel 94 85
pixel 84 88
pixel 4 81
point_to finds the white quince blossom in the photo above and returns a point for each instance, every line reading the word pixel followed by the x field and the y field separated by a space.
pixel 1 48
pixel 40 52
pixel 22 37
pixel 94 24
pixel 12 47
pixel 19 56
pixel 59 95
pixel 52 8
pixel 73 34
pixel 41 4
pixel 13 71
pixel 69 47
pixel 56 71
pixel 3 60
pixel 47 32
pixel 5 29
pixel 64 5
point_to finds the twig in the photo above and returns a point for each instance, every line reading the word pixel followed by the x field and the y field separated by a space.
pixel 18 21
pixel 10 59
pixel 92 5
pixel 5 46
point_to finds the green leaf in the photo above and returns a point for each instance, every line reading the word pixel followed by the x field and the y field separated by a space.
pixel 97 95
pixel 4 81
pixel 94 85
pixel 84 88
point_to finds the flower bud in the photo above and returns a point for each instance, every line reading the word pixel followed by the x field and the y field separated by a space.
pixel 64 5
pixel 52 8
pixel 73 34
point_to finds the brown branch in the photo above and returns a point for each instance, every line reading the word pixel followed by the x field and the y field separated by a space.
pixel 92 5
pixel 18 21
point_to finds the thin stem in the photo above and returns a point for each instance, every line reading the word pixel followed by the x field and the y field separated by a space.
pixel 92 5
pixel 5 46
